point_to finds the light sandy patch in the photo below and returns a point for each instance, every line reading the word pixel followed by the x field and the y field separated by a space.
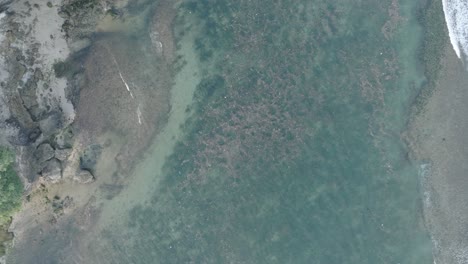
pixel 149 171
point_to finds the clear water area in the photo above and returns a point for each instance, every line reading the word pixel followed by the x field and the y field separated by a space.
pixel 292 152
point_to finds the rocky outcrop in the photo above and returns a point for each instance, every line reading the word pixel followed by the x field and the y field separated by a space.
pixel 44 153
pixel 52 171
pixel 62 154
pixel 42 46
pixel 20 134
pixel 64 139
pixel 33 103
pixel 84 177
pixel 51 123
pixel 89 157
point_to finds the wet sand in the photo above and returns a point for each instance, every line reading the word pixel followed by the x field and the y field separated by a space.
pixel 440 143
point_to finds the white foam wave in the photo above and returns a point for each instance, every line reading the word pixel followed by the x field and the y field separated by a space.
pixel 424 174
pixel 456 17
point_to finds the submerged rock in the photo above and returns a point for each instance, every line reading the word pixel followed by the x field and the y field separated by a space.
pixel 90 157
pixel 52 171
pixel 84 176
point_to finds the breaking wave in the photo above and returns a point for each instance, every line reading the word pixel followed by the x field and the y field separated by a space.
pixel 424 174
pixel 456 17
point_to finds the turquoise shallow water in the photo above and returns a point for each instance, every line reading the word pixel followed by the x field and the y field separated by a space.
pixel 293 151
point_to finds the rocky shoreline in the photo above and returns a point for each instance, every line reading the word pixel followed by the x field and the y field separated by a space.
pixel 39 101
pixel 37 106
pixel 57 62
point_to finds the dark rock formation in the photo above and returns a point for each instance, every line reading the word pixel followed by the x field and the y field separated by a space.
pixel 51 123
pixel 25 136
pixel 52 171
pixel 64 139
pixel 62 154
pixel 4 4
pixel 89 157
pixel 44 153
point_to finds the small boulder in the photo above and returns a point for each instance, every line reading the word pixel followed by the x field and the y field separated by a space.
pixel 84 177
pixel 52 171
pixel 90 157
pixel 51 123
pixel 44 153
pixel 64 139
pixel 62 154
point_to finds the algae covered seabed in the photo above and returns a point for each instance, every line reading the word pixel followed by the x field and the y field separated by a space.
pixel 282 142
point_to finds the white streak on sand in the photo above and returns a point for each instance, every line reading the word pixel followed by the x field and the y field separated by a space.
pixel 126 85
pixel 139 115
pixel 138 112
pixel 120 72
pixel 456 17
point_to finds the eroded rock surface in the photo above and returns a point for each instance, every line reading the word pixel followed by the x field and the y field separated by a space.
pixel 62 154
pixel 84 177
pixel 89 157
pixel 64 139
pixel 44 153
pixel 52 171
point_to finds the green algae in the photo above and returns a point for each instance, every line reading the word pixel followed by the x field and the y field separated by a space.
pixel 11 187
pixel 11 190
pixel 432 49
